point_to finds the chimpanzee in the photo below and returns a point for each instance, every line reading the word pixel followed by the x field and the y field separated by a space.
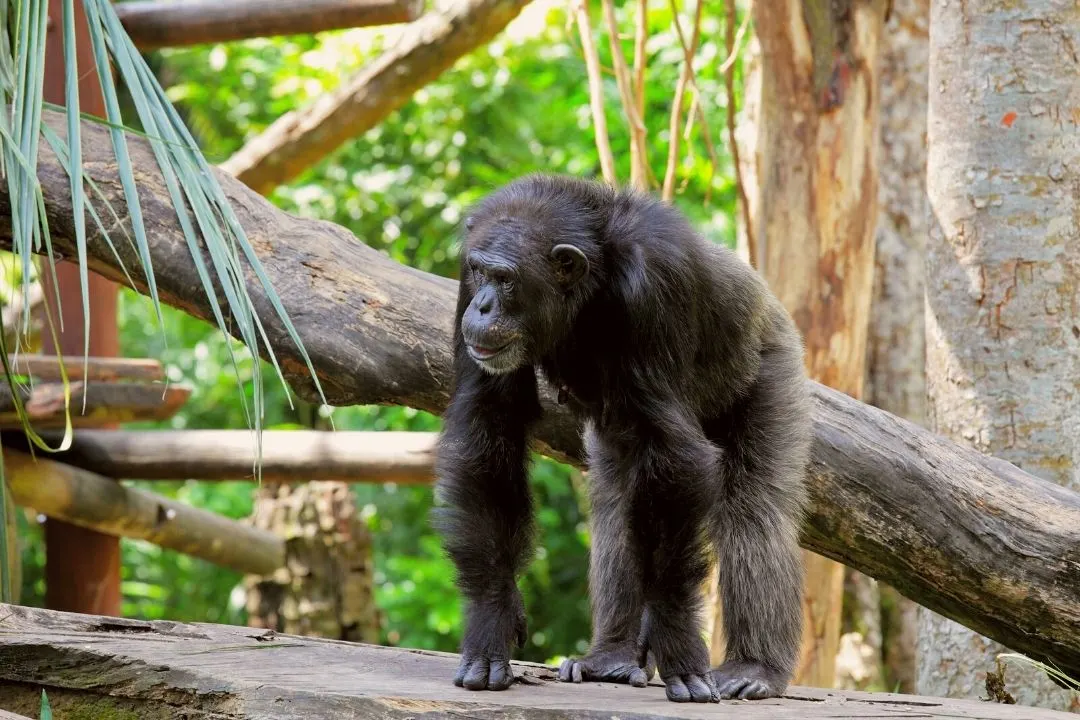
pixel 687 374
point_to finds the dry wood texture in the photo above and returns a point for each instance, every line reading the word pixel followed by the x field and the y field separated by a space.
pixel 288 455
pixel 975 539
pixel 299 139
pixel 154 24
pixel 91 501
pixel 47 367
pixel 106 403
pixel 98 667
pixel 817 209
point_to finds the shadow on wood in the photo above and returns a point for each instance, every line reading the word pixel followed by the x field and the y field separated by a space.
pixel 103 667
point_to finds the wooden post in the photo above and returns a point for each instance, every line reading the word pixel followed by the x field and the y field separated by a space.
pixel 82 567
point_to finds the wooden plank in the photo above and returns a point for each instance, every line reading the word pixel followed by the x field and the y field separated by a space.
pixel 5 715
pixel 155 24
pixel 107 403
pixel 200 670
pixel 288 455
pixel 47 367
pixel 97 503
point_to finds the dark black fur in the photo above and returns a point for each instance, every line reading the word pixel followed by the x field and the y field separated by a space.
pixel 689 377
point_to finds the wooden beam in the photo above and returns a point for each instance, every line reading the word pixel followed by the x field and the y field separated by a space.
pixel 288 455
pixel 91 501
pixel 107 403
pixel 109 667
pixel 299 139
pixel 82 568
pixel 976 540
pixel 47 367
pixel 154 24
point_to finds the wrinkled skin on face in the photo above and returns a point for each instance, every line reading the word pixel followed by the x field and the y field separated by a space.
pixel 520 294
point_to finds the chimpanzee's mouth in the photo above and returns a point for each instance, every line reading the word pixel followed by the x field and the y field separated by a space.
pixel 481 352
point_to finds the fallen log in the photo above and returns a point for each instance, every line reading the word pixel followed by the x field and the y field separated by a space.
pixel 406 458
pixel 972 538
pixel 299 139
pixel 91 501
pixel 105 667
pixel 154 24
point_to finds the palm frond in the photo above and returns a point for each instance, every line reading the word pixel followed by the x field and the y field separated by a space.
pixel 216 240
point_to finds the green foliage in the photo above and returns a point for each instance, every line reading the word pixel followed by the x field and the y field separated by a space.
pixel 522 105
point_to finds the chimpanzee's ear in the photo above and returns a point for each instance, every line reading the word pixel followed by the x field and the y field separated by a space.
pixel 570 264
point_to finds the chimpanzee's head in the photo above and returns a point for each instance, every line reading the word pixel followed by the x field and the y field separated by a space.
pixel 530 258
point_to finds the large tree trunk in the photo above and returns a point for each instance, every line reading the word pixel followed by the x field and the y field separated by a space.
pixel 1003 270
pixel 817 139
pixel 896 378
pixel 886 497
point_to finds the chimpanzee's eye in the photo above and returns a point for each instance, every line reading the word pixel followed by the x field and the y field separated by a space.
pixel 503 278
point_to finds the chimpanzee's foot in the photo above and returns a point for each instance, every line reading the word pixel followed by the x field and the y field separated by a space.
pixel 617 664
pixel 747 681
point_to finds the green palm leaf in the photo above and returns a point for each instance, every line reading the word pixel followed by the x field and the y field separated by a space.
pixel 218 245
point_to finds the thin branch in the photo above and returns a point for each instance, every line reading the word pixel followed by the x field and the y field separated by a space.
pixel 638 152
pixel 668 192
pixel 733 51
pixel 731 39
pixel 596 93
pixel 640 38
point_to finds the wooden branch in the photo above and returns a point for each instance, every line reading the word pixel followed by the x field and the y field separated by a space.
pixel 47 367
pixel 102 667
pixel 596 93
pixel 288 455
pixel 976 540
pixel 685 75
pixel 106 403
pixel 300 139
pixel 639 161
pixel 154 24
pixel 91 501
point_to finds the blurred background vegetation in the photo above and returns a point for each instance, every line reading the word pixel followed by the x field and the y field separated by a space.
pixel 517 106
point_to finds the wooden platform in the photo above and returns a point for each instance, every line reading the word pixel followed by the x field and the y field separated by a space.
pixel 96 667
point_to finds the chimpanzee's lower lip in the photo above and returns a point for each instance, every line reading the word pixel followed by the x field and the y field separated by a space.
pixel 485 353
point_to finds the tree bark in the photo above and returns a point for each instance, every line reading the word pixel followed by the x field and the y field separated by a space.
pixel 326 586
pixel 817 139
pixel 972 538
pixel 154 24
pixel 1003 270
pixel 896 377
pixel 428 47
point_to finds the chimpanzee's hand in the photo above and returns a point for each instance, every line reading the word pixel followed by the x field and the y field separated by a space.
pixel 493 627
pixel 617 664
